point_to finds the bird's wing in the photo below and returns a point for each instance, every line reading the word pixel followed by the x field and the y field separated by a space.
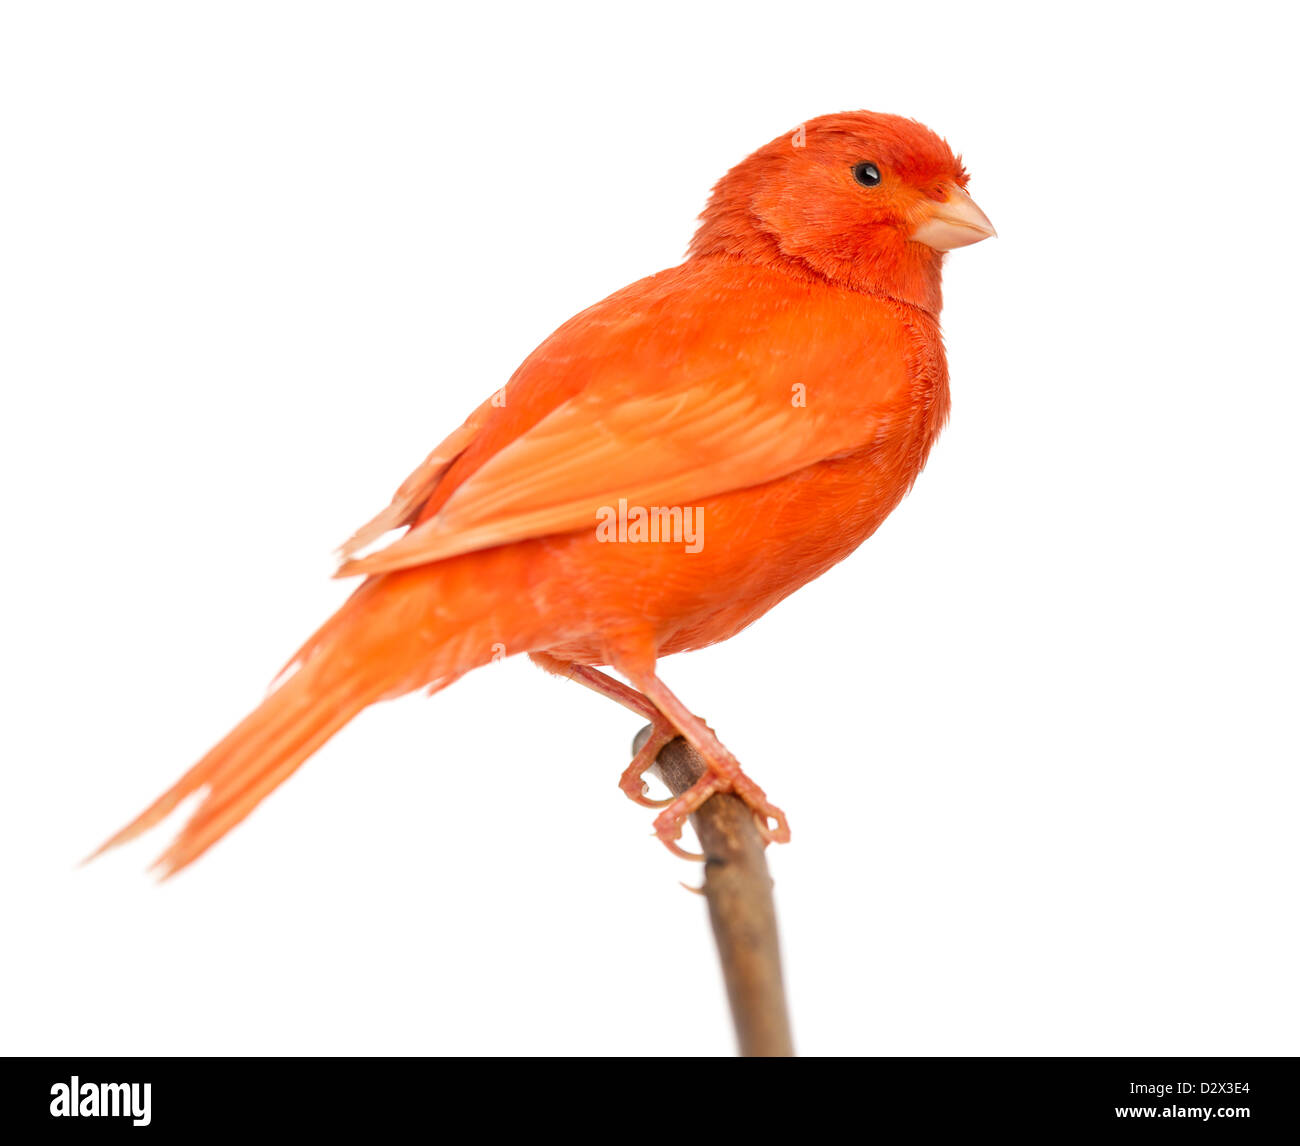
pixel 416 490
pixel 682 402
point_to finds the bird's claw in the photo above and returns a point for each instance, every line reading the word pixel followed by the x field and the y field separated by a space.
pixel 631 782
pixel 640 797
pixel 670 842
pixel 764 812
pixel 778 835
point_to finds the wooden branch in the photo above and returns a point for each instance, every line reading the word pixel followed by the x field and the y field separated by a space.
pixel 739 890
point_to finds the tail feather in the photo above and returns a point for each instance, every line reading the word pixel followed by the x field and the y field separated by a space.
pixel 263 751
pixel 254 773
pixel 399 632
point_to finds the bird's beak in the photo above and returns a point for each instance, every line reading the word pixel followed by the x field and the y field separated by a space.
pixel 956 222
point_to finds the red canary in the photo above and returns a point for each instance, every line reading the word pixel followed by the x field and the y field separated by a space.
pixel 661 471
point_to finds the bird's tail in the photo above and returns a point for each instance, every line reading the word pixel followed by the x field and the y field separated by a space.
pixel 385 641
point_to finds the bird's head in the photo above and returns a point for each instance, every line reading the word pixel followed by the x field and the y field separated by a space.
pixel 868 201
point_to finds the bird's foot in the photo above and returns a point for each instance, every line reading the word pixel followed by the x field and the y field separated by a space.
pixel 765 812
pixel 669 823
pixel 632 782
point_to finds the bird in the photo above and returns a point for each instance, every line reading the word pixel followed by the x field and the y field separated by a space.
pixel 657 474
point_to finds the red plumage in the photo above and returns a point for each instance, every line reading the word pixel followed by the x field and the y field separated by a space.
pixel 785 385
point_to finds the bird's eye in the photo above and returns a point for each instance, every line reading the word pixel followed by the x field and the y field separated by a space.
pixel 868 174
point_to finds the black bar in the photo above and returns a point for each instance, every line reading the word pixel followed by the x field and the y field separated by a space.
pixel 1056 1096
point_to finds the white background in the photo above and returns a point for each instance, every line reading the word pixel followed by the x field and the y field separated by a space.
pixel 1036 739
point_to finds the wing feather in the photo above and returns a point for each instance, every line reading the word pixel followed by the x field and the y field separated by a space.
pixel 668 415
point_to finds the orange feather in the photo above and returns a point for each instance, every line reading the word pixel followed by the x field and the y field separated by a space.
pixel 784 385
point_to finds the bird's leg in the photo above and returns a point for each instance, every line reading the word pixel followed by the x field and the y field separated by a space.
pixel 724 775
pixel 662 730
pixel 599 682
